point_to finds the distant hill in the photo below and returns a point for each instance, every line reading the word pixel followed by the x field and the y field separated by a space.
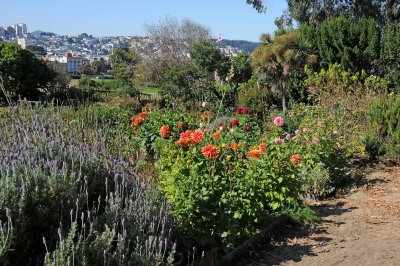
pixel 42 33
pixel 241 44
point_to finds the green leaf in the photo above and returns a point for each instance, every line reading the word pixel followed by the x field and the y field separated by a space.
pixel 237 215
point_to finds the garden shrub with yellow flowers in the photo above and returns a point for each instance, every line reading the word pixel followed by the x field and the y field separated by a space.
pixel 225 178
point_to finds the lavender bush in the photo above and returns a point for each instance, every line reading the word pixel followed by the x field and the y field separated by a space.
pixel 72 201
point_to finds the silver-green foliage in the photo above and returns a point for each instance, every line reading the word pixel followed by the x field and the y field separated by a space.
pixel 74 203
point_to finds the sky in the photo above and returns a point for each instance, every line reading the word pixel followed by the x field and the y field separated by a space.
pixel 233 19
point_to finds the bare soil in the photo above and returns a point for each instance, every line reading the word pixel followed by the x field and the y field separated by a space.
pixel 359 228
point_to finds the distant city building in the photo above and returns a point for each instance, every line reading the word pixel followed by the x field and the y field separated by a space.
pixel 20 29
pixel 25 42
pixel 71 64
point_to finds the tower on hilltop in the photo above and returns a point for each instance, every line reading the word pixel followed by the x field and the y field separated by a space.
pixel 20 29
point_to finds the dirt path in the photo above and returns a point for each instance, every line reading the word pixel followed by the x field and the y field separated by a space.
pixel 361 228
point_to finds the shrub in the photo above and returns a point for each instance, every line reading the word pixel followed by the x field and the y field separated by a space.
pixel 224 186
pixel 343 98
pixel 65 189
pixel 383 127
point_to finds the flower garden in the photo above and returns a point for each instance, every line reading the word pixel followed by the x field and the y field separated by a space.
pixel 224 178
pixel 227 147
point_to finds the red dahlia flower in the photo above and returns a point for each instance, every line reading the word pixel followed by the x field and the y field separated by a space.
pixel 234 122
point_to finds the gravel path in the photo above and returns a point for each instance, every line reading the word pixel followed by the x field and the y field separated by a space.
pixel 361 228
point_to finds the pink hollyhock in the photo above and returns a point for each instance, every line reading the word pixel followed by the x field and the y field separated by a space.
pixel 315 140
pixel 287 137
pixel 278 121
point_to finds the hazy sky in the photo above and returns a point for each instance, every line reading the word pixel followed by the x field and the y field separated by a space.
pixel 233 19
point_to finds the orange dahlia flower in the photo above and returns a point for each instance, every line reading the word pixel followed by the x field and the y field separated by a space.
pixel 204 117
pixel 234 146
pixel 295 159
pixel 164 131
pixel 262 147
pixel 254 153
pixel 191 137
pixel 210 151
pixel 217 134
pixel 196 137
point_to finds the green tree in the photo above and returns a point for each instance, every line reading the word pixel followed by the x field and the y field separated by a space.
pixel 86 69
pixel 390 51
pixel 99 67
pixel 257 4
pixel 23 74
pixel 124 63
pixel 353 44
pixel 59 82
pixel 316 11
pixel 277 57
pixel 36 50
pixel 241 68
pixel 206 56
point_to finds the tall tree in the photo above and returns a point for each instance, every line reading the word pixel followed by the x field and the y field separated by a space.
pixel 354 44
pixel 277 57
pixel 173 40
pixel 316 11
pixel 257 4
pixel 23 74
pixel 36 50
pixel 124 63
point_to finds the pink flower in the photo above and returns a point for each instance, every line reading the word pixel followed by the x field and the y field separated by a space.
pixel 216 77
pixel 278 121
pixel 304 143
pixel 297 131
pixel 305 130
pixel 315 140
pixel 221 127
pixel 287 137
pixel 278 141
pixel 232 131
pixel 335 132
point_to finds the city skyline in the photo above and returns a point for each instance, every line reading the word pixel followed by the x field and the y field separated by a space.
pixel 124 18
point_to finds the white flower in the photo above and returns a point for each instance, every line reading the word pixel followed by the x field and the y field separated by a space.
pixel 201 125
pixel 203 104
